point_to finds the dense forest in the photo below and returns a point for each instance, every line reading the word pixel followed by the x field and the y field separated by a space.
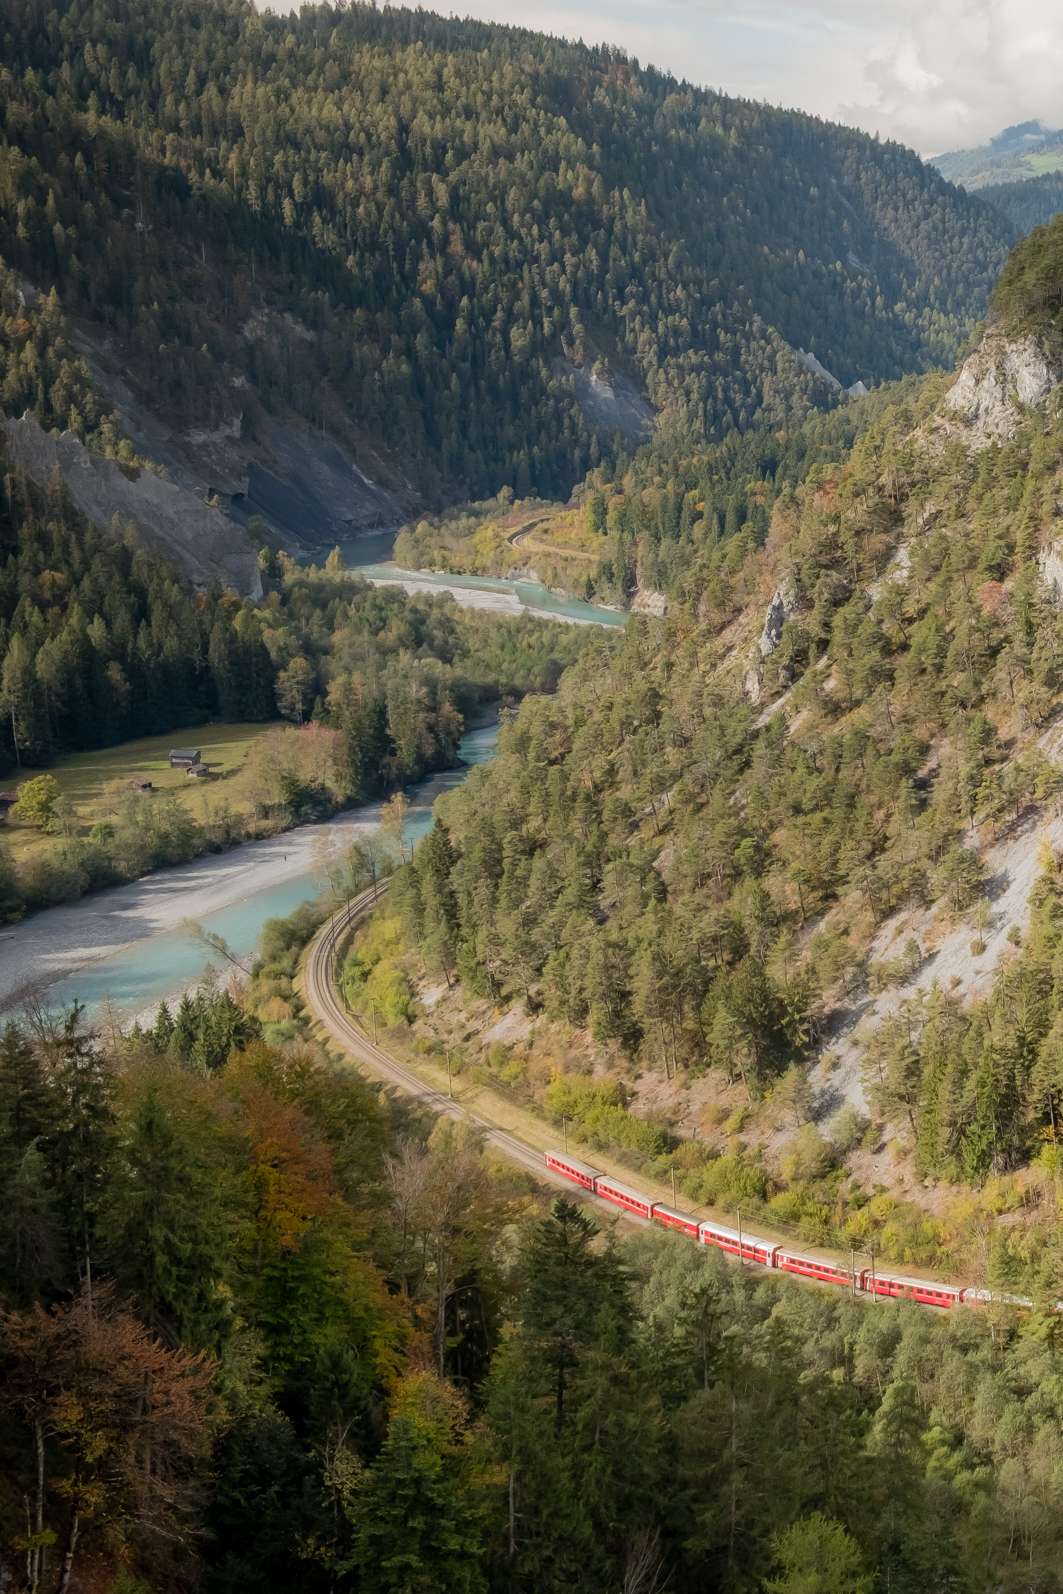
pixel 706 885
pixel 262 1328
pixel 1028 299
pixel 423 229
pixel 1027 204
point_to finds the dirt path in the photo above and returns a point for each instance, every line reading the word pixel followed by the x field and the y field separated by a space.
pixel 528 543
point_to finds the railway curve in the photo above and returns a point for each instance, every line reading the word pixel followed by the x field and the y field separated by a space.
pixel 325 1002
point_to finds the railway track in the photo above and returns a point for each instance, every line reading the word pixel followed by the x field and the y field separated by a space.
pixel 320 989
pixel 325 1001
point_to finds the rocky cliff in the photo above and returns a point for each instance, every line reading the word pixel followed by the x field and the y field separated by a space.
pixel 1003 379
pixel 202 541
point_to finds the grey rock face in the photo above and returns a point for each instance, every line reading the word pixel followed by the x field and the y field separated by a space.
pixel 649 601
pixel 782 606
pixel 1050 564
pixel 997 384
pixel 201 541
pixel 611 402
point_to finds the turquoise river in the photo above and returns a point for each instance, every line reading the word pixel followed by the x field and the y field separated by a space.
pixel 139 973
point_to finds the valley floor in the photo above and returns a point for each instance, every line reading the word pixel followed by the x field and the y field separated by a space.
pixel 90 781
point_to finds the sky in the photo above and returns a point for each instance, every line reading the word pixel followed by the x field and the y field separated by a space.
pixel 936 74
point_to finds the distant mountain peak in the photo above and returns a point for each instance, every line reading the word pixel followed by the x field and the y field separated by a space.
pixel 1015 154
pixel 1021 135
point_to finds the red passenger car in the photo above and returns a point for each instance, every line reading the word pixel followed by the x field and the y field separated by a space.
pixel 749 1246
pixel 622 1195
pixel 814 1267
pixel 672 1218
pixel 578 1172
pixel 925 1291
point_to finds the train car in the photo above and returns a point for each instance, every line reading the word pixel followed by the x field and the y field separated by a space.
pixel 814 1267
pixel 925 1291
pixel 622 1195
pixel 672 1218
pixel 749 1246
pixel 579 1172
pixel 767 1253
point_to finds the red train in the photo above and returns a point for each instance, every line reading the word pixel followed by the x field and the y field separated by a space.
pixel 767 1253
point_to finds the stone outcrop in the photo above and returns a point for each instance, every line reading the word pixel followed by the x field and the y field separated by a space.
pixel 609 401
pixel 816 368
pixel 997 385
pixel 648 601
pixel 895 574
pixel 200 540
pixel 783 604
pixel 1050 564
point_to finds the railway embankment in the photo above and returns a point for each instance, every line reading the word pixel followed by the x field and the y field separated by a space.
pixel 512 1131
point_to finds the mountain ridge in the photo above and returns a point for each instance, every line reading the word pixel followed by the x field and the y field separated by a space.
pixel 1016 154
pixel 429 214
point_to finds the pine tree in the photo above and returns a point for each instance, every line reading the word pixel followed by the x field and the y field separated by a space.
pixel 161 1032
pixel 22 700
pixel 415 1528
pixel 439 913
pixel 165 1229
pixel 26 1104
pixel 78 1145
pixel 575 1296
pixel 30 1252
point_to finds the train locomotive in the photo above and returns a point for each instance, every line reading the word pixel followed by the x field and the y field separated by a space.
pixel 768 1253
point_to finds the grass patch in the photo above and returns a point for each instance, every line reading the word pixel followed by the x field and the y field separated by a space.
pixel 1044 161
pixel 86 779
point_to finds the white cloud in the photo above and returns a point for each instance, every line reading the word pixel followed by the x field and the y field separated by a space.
pixel 937 74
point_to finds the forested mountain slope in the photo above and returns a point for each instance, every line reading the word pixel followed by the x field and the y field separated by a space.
pixel 780 856
pixel 434 239
pixel 1026 203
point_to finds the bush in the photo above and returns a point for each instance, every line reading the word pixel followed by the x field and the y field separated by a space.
pixel 387 993
pixel 847 1129
pixel 282 940
pixel 889 972
pixel 736 1121
pixel 598 1110
pixel 806 1156
pixel 960 877
pixel 36 802
pixel 728 1182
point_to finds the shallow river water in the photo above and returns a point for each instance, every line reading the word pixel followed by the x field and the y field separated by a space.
pixel 131 947
pixel 371 557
